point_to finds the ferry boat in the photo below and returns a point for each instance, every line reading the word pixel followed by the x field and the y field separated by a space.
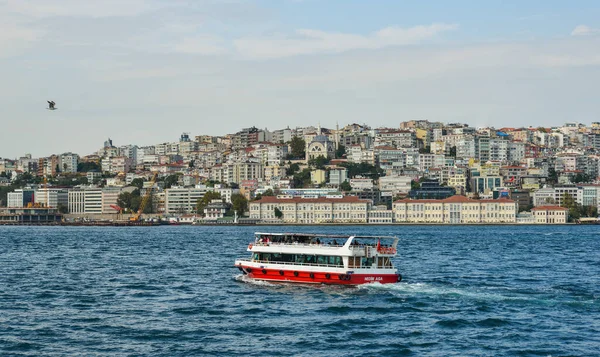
pixel 321 259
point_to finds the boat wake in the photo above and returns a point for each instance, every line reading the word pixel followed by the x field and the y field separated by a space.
pixel 443 291
pixel 242 278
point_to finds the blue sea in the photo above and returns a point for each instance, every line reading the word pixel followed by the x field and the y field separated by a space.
pixel 173 291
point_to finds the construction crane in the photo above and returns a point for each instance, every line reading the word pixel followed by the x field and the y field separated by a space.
pixel 138 214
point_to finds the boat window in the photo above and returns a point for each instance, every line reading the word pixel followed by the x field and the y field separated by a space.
pixel 300 259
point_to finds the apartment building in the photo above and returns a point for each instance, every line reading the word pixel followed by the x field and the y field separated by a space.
pixel 93 200
pixel 349 209
pixel 180 200
pixel 455 210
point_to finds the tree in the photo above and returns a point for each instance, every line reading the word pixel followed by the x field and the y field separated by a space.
pixel 292 169
pixel 63 208
pixel 278 213
pixel 302 178
pixel 125 199
pixel 239 203
pixel 340 151
pixel 171 180
pixel 414 185
pixel 552 176
pixel 581 178
pixel 345 186
pixel 137 182
pixel 298 147
pixel 318 162
pixel 570 203
pixel 88 166
pixel 205 200
pixel 362 169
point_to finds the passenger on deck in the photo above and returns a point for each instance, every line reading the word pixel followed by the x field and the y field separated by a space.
pixel 318 241
pixel 335 242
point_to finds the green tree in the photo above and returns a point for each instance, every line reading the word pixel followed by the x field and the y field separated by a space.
pixel 292 169
pixel 362 169
pixel 318 162
pixel 302 179
pixel 137 182
pixel 340 151
pixel 298 147
pixel 88 166
pixel 278 213
pixel 552 176
pixel 569 202
pixel 414 185
pixel 205 200
pixel 345 186
pixel 239 203
pixel 171 180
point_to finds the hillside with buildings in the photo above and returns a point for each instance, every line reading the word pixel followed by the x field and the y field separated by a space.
pixel 420 172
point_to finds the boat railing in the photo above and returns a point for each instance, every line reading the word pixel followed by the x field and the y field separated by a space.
pixel 297 244
pixel 311 264
pixel 292 263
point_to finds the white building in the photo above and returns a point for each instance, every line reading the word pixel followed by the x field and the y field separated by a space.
pixel 183 200
pixel 395 184
pixel 67 162
pixel 93 200
pixel 360 184
pixel 51 197
pixel 337 176
pixel 550 215
pixel 348 209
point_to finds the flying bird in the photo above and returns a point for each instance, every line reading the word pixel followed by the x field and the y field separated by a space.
pixel 51 105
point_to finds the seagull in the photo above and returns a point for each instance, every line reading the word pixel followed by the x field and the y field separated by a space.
pixel 51 105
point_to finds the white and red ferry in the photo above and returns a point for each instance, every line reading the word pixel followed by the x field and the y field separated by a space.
pixel 318 258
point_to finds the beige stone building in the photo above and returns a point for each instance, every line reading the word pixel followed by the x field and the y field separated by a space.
pixel 550 214
pixel 349 209
pixel 455 210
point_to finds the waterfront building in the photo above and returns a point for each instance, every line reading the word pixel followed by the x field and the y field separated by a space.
pixel 215 209
pixel 93 200
pixel 51 197
pixel 380 215
pixel 349 209
pixel 550 214
pixel 455 210
pixel 20 198
pixel 179 200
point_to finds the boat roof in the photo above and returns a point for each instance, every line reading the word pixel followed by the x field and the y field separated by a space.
pixel 323 235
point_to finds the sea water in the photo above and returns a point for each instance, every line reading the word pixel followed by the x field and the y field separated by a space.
pixel 173 291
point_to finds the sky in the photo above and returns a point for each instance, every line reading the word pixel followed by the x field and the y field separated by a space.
pixel 145 71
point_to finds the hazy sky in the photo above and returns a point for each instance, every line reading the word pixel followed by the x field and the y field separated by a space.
pixel 144 71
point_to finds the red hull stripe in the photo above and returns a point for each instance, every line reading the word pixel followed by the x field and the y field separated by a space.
pixel 307 277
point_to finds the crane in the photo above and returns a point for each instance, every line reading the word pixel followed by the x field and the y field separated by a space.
pixel 138 214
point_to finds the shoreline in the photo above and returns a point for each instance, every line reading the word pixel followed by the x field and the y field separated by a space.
pixel 148 224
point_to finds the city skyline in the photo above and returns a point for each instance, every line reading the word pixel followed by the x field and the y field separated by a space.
pixel 144 71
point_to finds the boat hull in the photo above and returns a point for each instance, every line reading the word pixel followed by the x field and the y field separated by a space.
pixel 310 277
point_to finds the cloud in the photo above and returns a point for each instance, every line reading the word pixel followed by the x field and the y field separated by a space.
pixel 104 8
pixel 584 30
pixel 201 45
pixel 307 41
